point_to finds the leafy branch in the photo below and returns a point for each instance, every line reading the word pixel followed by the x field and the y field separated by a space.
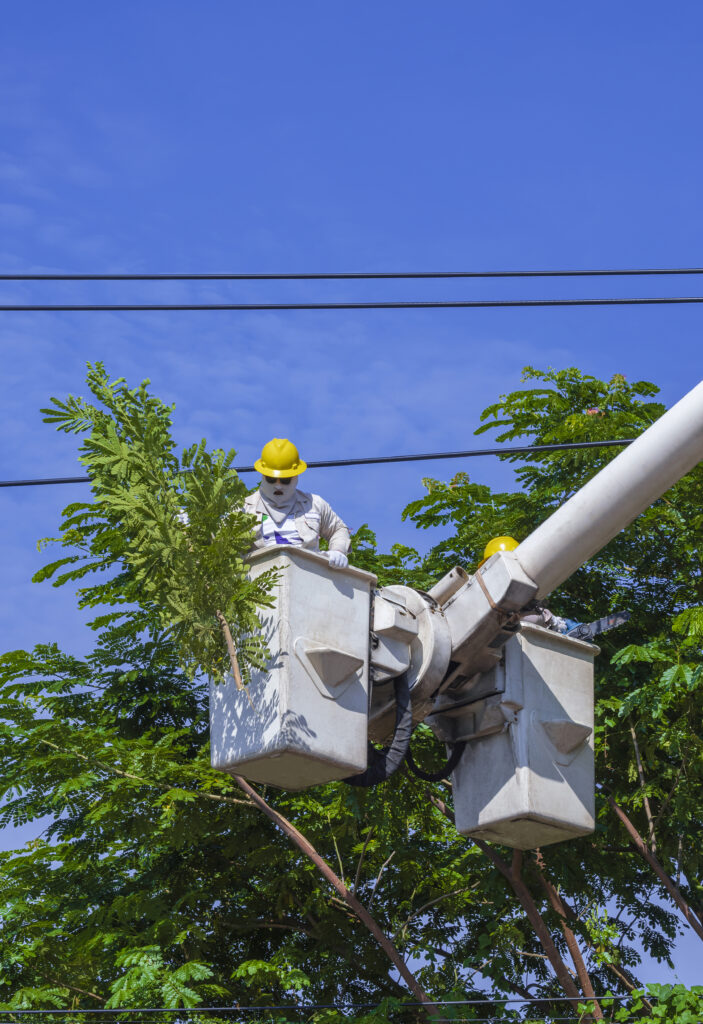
pixel 172 532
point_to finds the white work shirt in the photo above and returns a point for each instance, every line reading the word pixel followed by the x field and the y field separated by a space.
pixel 285 533
pixel 312 518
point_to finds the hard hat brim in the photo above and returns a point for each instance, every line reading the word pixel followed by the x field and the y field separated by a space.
pixel 280 474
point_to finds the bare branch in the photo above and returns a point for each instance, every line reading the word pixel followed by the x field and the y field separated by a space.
pixel 668 883
pixel 357 876
pixel 571 942
pixel 378 877
pixel 643 787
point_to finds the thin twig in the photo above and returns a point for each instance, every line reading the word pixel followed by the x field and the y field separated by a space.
pixel 336 850
pixel 438 899
pixel 643 787
pixel 378 877
pixel 679 855
pixel 357 876
pixel 73 988
pixel 667 799
pixel 245 925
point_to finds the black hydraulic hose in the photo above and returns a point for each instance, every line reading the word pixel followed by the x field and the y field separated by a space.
pixel 383 763
pixel 444 771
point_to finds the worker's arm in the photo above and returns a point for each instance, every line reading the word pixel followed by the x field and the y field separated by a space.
pixel 335 532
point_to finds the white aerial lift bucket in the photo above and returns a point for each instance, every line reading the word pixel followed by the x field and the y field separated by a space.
pixel 526 776
pixel 304 720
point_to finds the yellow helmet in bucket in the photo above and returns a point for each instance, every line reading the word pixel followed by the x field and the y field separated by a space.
pixel 498 544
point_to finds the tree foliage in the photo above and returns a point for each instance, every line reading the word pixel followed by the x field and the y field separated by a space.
pixel 157 881
pixel 171 532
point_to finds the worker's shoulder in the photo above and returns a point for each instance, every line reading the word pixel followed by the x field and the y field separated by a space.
pixel 313 502
pixel 251 501
pixel 305 501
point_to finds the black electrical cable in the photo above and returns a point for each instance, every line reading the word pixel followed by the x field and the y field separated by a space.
pixel 502 1000
pixel 385 762
pixel 444 772
pixel 279 306
pixel 361 276
pixel 372 461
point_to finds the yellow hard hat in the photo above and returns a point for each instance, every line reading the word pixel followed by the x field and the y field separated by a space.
pixel 280 458
pixel 498 544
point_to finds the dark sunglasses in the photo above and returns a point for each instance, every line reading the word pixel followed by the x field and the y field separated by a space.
pixel 278 480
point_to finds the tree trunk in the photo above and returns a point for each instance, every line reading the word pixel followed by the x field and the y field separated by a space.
pixel 361 912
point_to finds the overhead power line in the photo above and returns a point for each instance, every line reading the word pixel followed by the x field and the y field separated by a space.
pixel 274 306
pixel 373 460
pixel 360 276
pixel 488 1001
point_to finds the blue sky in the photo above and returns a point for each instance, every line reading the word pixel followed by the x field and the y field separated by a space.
pixel 175 137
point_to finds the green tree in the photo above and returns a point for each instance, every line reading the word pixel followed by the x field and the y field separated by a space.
pixel 160 880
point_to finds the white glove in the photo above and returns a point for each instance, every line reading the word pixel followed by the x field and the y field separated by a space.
pixel 338 560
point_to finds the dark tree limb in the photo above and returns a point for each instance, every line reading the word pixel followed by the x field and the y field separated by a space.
pixel 558 907
pixel 629 983
pixel 513 876
pixel 668 883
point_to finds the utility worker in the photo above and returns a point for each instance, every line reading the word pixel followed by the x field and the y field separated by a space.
pixel 286 515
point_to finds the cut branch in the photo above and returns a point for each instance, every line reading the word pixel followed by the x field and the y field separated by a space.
pixel 231 649
pixel 306 847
